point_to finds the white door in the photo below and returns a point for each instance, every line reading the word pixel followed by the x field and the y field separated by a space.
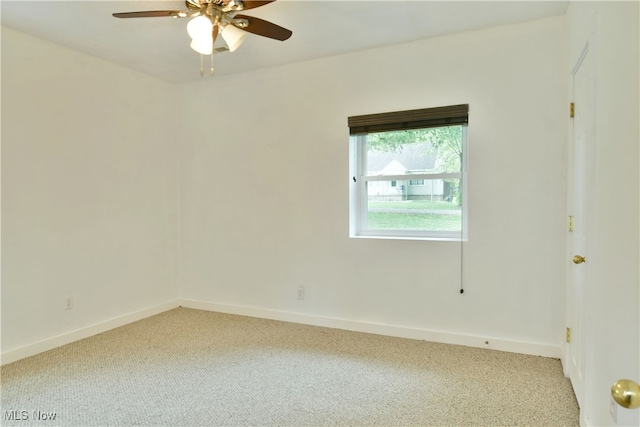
pixel 602 291
pixel 580 175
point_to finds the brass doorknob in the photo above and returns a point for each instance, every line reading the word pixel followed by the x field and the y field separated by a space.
pixel 578 259
pixel 626 393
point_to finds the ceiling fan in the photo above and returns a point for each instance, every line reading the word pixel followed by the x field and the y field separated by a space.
pixel 213 17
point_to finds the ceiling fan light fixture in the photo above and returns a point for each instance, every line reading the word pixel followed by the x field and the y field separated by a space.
pixel 233 36
pixel 211 18
pixel 199 27
pixel 203 47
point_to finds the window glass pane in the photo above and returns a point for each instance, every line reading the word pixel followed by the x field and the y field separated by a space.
pixel 434 206
pixel 434 150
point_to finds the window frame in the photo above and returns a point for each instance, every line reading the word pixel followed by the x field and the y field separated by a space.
pixel 358 208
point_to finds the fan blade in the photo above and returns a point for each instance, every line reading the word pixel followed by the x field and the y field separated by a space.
pixel 153 14
pixel 263 28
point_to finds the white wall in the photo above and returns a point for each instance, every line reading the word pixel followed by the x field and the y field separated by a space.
pixel 612 287
pixel 265 189
pixel 89 190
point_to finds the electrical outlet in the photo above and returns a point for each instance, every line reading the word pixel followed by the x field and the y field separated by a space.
pixel 301 292
pixel 68 303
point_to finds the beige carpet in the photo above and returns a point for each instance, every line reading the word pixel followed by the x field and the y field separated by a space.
pixel 196 368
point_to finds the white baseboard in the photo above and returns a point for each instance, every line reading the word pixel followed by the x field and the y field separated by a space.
pixel 306 319
pixel 493 343
pixel 88 331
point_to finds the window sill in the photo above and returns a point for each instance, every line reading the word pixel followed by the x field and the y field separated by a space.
pixel 423 238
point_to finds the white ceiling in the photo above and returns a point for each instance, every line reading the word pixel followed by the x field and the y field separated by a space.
pixel 160 46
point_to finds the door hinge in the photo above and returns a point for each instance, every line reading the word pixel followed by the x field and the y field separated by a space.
pixel 570 222
pixel 572 110
pixel 568 335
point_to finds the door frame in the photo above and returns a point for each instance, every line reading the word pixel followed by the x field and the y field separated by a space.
pixel 580 331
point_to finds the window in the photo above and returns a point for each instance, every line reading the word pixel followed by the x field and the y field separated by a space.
pixel 408 174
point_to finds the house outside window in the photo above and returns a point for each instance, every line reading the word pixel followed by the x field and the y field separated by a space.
pixel 408 174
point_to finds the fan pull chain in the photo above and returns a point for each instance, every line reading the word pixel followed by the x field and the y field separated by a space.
pixel 201 66
pixel 212 71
